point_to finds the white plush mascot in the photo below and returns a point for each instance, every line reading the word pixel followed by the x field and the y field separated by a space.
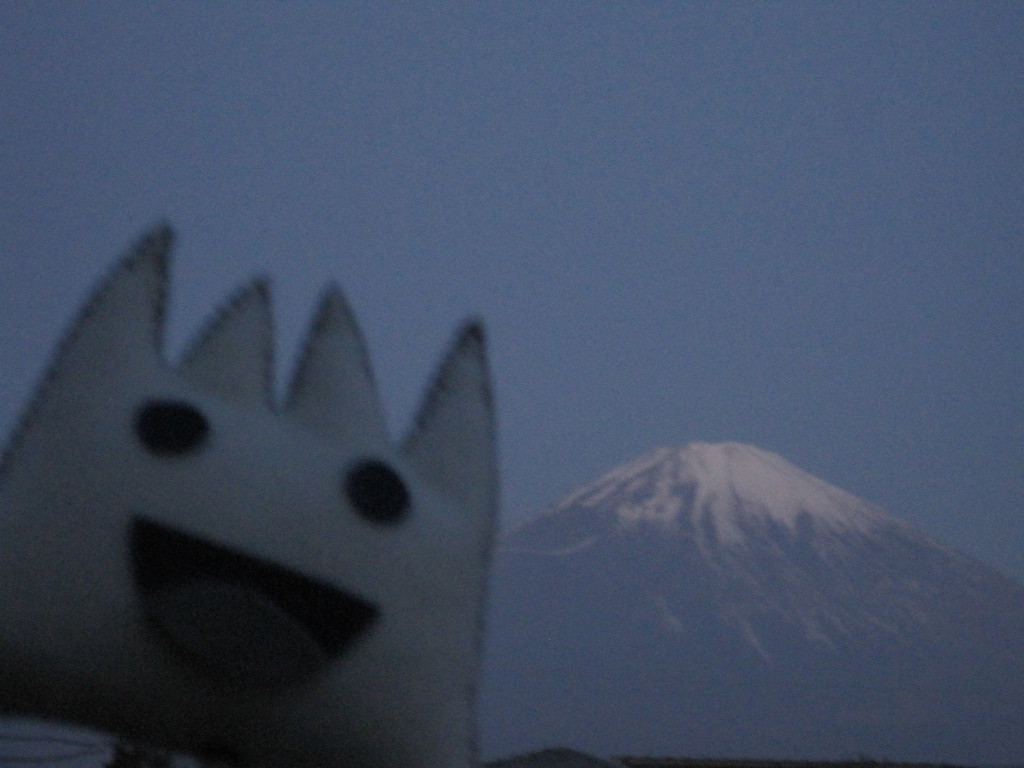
pixel 186 564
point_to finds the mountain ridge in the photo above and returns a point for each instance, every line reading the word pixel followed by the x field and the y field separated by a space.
pixel 715 471
pixel 713 571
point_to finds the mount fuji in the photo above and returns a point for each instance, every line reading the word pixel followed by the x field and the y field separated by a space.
pixel 715 600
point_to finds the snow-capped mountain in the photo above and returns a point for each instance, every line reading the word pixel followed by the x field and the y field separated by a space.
pixel 715 599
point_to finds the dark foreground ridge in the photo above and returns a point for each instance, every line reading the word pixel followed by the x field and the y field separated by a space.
pixel 706 762
pixel 563 757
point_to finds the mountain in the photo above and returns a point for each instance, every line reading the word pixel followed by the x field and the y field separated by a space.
pixel 715 600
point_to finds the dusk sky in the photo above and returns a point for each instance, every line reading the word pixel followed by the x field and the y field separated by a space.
pixel 797 225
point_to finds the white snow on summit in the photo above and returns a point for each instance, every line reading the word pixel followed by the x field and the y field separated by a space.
pixel 729 484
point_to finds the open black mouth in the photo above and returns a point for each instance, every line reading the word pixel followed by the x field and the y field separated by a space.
pixel 251 619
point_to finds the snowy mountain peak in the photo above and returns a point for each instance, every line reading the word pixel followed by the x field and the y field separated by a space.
pixel 719 578
pixel 722 490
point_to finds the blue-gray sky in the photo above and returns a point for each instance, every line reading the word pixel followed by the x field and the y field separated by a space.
pixel 795 225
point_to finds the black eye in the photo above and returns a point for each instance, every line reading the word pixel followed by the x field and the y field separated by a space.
pixel 170 428
pixel 377 492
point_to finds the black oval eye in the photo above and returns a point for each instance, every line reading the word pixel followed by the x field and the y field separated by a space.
pixel 170 427
pixel 377 492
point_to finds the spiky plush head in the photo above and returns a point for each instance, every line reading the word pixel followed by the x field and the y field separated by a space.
pixel 185 563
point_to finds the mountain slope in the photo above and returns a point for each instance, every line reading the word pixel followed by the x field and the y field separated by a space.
pixel 715 599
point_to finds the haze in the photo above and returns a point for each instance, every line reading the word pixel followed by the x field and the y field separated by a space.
pixel 793 225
